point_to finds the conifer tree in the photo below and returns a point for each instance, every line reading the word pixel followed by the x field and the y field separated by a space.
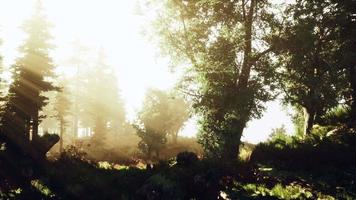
pixel 62 106
pixel 103 104
pixel 31 77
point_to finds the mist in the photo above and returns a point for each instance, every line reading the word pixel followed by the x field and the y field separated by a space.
pixel 161 99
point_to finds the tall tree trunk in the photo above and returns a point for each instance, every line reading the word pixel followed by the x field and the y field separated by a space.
pixel 175 137
pixel 246 65
pixel 157 154
pixel 352 122
pixel 309 119
pixel 35 122
pixel 27 129
pixel 61 133
pixel 232 143
pixel 149 152
pixel 233 139
pixel 75 126
pixel 352 69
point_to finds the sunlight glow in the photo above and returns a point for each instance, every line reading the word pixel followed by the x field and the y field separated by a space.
pixel 116 27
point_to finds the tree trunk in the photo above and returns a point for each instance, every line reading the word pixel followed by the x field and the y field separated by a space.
pixel 309 118
pixel 35 122
pixel 175 138
pixel 352 64
pixel 149 152
pixel 233 141
pixel 27 129
pixel 246 65
pixel 157 154
pixel 61 132
pixel 353 90
pixel 75 126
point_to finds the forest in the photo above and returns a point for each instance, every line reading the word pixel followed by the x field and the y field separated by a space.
pixel 65 134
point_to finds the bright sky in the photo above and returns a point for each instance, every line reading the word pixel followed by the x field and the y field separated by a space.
pixel 114 26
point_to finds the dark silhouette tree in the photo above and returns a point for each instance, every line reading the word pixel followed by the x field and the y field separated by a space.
pixel 345 26
pixel 310 78
pixel 151 127
pixel 32 74
pixel 3 85
pixel 180 113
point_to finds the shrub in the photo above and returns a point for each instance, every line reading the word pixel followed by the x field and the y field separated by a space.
pixel 334 150
pixel 186 159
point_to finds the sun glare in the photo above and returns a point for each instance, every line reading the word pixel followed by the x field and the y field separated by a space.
pixel 116 27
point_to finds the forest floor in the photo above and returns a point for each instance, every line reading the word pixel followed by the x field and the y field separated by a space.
pixel 307 171
pixel 72 178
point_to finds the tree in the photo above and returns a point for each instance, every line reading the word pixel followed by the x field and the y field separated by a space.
pixel 181 110
pixel 225 42
pixel 80 61
pixel 62 106
pixel 345 22
pixel 32 73
pixel 310 76
pixel 103 104
pixel 3 87
pixel 162 114
pixel 279 135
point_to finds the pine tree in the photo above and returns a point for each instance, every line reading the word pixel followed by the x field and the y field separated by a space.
pixel 103 104
pixel 2 81
pixel 31 77
pixel 62 106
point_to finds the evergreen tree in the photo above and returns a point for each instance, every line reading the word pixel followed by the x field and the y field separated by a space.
pixel 61 106
pixel 102 103
pixel 32 74
pixel 79 62
pixel 2 81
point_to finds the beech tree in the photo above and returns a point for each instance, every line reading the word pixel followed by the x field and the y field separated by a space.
pixel 311 76
pixel 226 45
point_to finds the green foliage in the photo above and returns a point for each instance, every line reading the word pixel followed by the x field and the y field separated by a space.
pixel 319 149
pixel 310 73
pixel 337 116
pixel 298 122
pixel 279 137
pixel 151 141
pixel 159 187
pixel 279 191
pixel 41 187
pixel 228 79
pixel 163 114
pixel 31 75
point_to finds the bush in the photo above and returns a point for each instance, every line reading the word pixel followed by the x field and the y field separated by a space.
pixel 334 150
pixel 186 159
